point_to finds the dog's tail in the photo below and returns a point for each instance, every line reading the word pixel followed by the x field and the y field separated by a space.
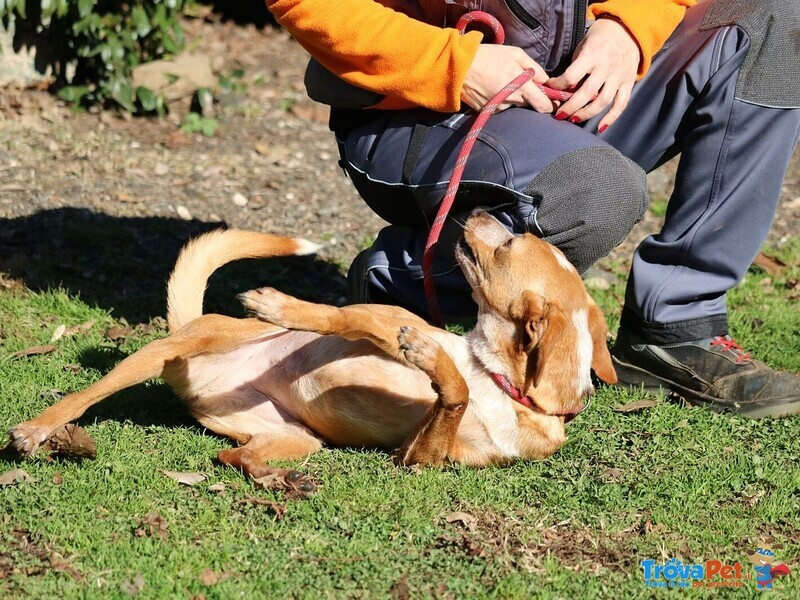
pixel 205 254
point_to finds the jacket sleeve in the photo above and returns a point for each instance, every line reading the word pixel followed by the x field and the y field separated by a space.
pixel 650 22
pixel 382 50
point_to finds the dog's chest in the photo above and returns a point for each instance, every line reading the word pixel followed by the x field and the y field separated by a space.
pixel 497 417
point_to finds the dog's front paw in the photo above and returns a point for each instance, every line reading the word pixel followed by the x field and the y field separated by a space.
pixel 418 349
pixel 265 304
pixel 27 437
pixel 410 455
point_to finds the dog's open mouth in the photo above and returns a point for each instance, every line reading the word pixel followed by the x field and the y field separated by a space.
pixel 466 252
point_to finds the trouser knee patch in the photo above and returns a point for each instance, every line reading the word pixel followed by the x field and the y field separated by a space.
pixel 770 75
pixel 589 201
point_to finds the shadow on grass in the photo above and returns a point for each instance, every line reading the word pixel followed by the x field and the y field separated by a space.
pixel 121 264
pixel 152 403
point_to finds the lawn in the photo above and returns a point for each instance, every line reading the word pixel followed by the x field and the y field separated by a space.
pixel 664 481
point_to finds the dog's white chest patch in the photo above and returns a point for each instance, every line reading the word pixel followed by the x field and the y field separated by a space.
pixel 497 415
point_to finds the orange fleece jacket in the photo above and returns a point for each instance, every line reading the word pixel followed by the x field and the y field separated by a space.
pixel 417 64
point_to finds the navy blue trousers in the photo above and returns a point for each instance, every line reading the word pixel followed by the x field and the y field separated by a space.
pixel 584 192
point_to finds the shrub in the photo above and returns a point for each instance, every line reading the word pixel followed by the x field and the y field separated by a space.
pixel 92 46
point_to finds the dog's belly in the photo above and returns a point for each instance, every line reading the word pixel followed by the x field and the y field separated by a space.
pixel 345 392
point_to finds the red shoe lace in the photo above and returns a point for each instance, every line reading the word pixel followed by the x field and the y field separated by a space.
pixel 729 345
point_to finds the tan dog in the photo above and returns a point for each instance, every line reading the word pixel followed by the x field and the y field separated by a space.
pixel 361 375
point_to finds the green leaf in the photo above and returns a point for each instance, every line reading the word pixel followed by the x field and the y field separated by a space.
pixel 62 6
pixel 121 92
pixel 141 21
pixel 85 7
pixel 48 8
pixel 73 93
pixel 147 98
pixel 208 126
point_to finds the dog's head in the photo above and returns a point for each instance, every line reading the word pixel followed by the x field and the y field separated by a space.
pixel 537 325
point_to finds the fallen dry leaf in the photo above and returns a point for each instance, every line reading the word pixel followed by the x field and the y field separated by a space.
pixel 466 519
pixel 189 479
pixel 400 589
pixel 613 474
pixel 71 441
pixel 82 328
pixel 133 588
pixel 124 196
pixel 752 500
pixel 152 525
pixel 276 508
pixel 58 333
pixel 15 476
pixel 210 577
pixel 295 484
pixel 769 264
pixel 119 332
pixel 176 139
pixel 649 527
pixel 34 350
pixel 183 212
pixel 217 487
pixel 636 405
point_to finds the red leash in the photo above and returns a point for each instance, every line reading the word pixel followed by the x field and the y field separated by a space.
pixel 452 189
pixel 455 179
pixel 484 18
pixel 466 148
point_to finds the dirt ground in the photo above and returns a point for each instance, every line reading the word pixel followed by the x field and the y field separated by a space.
pixel 100 204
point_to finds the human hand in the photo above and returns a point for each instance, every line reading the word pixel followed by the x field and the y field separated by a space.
pixel 603 69
pixel 492 68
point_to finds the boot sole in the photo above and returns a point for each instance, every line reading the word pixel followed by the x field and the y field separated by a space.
pixel 633 376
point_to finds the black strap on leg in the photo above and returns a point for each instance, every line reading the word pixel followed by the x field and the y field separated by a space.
pixel 418 136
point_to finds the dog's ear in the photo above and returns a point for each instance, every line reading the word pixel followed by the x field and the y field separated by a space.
pixel 601 358
pixel 545 325
pixel 535 320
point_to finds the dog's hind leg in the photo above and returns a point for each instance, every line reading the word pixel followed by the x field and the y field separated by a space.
pixel 211 333
pixel 145 364
pixel 286 442
pixel 435 436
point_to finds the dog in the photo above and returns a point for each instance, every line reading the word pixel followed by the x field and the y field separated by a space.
pixel 301 374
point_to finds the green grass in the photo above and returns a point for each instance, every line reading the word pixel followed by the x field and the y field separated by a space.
pixel 666 481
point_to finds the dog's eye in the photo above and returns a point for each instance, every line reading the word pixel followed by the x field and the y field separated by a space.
pixel 504 247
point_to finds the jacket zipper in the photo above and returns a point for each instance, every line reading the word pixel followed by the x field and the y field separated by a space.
pixel 518 11
pixel 578 25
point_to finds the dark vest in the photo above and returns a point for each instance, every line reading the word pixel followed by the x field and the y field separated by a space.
pixel 548 30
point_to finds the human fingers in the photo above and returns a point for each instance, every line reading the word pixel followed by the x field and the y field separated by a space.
pixel 584 94
pixel 493 68
pixel 620 102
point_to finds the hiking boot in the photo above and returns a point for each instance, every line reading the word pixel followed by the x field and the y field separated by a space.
pixel 715 373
